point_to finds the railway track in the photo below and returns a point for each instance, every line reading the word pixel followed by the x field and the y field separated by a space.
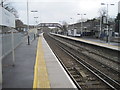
pixel 107 58
pixel 104 65
pixel 82 72
pixel 110 82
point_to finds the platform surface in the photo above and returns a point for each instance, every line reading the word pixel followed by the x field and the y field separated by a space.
pixel 101 43
pixel 23 74
pixel 56 75
pixel 20 76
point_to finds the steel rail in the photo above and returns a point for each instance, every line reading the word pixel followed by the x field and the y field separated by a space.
pixel 117 71
pixel 109 81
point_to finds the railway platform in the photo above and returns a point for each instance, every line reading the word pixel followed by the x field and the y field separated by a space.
pixel 36 66
pixel 100 43
pixel 21 75
pixel 49 73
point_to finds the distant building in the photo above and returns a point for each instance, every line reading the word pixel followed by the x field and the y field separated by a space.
pixel 20 26
pixel 119 7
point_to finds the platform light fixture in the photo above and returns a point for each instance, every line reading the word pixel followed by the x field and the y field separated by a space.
pixel 108 31
pixel 81 22
pixel 73 22
pixel 28 23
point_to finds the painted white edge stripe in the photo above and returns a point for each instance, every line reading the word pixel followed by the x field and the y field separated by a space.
pixel 74 86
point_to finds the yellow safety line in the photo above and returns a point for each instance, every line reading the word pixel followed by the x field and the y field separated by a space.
pixel 40 71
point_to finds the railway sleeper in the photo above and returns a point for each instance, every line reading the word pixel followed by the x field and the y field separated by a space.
pixel 73 72
pixel 75 76
pixel 89 50
pixel 79 79
pixel 91 78
pixel 77 57
pixel 80 72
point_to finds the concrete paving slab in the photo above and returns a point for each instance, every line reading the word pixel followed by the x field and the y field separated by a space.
pixel 57 75
pixel 20 76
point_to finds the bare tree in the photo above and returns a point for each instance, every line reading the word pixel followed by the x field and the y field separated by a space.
pixel 65 25
pixel 102 12
pixel 78 21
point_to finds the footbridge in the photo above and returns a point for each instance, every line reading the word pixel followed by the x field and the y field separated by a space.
pixel 50 25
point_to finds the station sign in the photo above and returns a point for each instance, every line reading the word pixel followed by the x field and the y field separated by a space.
pixel 6 18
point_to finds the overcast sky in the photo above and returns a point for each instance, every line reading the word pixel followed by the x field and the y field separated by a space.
pixel 62 10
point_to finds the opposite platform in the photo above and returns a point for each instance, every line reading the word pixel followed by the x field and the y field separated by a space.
pixel 49 73
pixel 92 42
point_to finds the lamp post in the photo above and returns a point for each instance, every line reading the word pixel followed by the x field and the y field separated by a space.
pixel 108 31
pixel 119 27
pixel 36 19
pixel 81 23
pixel 2 2
pixel 60 22
pixel 28 23
pixel 34 11
pixel 100 27
pixel 73 22
pixel 36 25
pixel 118 23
